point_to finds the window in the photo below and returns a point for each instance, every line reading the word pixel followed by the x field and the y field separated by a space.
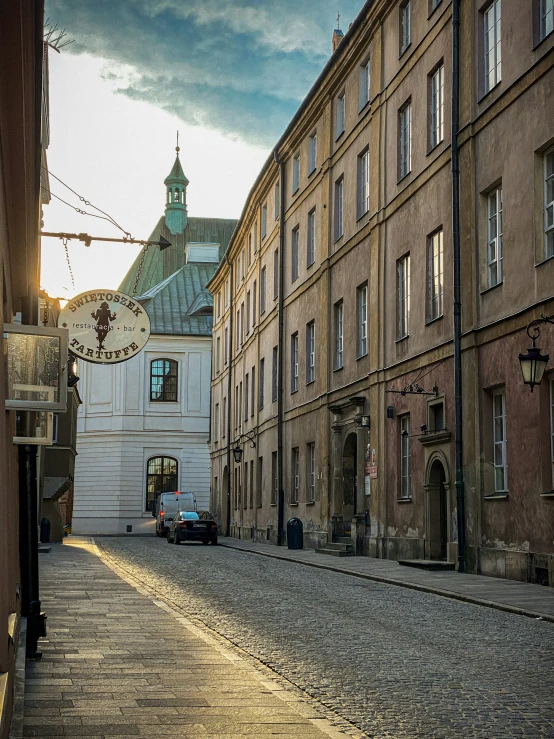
pixel 310 251
pixel 161 477
pixel 255 237
pixel 295 475
pixel 295 173
pixel 241 323
pixel 339 111
pixel 310 498
pixel 277 201
pixel 218 355
pixel 435 416
pixel 405 25
pixel 492 60
pixel 310 352
pixel 251 483
pixel 226 291
pixel 261 380
pixel 436 119
pixel 219 304
pixel 263 230
pixel 546 17
pixel 405 139
pixel 403 296
pixel 274 479
pixel 239 405
pixel 262 290
pixel 294 362
pixel 435 275
pixel 246 396
pixel 216 422
pixel 224 418
pixel 249 249
pixel 494 237
pixel 363 183
pixel 226 345
pixel 363 85
pixel 253 391
pixel 339 307
pixel 242 264
pixel 405 457
pixel 312 153
pixel 274 372
pixel 294 253
pixel 276 274
pixel 254 303
pixel 434 4
pixel 362 320
pixel 259 482
pixel 245 496
pixel 549 203
pixel 499 441
pixel 248 312
pixel 163 380
pixel 339 189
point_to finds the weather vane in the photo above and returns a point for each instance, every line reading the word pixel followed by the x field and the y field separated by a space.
pixel 177 149
pixel 338 21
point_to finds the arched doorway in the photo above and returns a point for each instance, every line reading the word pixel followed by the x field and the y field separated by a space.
pixel 349 477
pixel 437 509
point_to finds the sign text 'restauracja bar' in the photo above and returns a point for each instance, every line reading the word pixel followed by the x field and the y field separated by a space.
pixel 115 297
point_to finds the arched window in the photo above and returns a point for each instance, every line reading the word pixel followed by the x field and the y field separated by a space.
pixel 176 195
pixel 161 477
pixel 163 380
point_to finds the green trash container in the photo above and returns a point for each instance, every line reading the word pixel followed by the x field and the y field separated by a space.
pixel 295 534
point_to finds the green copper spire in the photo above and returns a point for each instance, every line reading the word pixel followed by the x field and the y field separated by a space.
pixel 176 196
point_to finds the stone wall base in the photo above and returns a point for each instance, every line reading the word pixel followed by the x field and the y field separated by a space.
pixel 512 565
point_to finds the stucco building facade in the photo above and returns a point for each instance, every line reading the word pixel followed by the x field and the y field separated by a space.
pixel 335 341
pixel 143 425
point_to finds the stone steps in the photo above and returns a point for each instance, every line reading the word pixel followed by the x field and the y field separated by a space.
pixel 427 564
pixel 341 548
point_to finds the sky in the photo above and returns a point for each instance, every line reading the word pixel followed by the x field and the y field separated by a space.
pixel 227 74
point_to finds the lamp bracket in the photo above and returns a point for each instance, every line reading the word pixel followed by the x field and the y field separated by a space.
pixel 415 389
pixel 248 436
pixel 534 326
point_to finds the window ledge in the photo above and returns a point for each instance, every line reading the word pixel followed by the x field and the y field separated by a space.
pixel 486 94
pixel 293 505
pixel 312 502
pixel 435 437
pixel 402 338
pixel 361 356
pixel 434 320
pixel 362 215
pixel 364 107
pixel 434 10
pixel 548 495
pixel 543 261
pixel 338 369
pixel 273 504
pixel 404 500
pixel 404 50
pixel 542 40
pixel 310 382
pixel 311 172
pixel 338 136
pixel 403 177
pixel 492 287
pixel 496 496
pixel 293 392
pixel 434 148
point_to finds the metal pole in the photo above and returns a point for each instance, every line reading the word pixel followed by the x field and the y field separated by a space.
pixel 229 396
pixel 460 502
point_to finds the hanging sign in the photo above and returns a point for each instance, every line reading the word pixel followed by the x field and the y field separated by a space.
pixel 105 326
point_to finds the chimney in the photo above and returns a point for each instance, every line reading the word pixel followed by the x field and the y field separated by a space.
pixel 338 36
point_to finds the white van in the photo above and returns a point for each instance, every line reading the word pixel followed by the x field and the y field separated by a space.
pixel 168 505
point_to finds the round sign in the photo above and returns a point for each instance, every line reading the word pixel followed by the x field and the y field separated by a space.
pixel 105 326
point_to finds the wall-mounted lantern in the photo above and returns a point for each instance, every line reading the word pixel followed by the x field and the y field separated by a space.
pixel 534 363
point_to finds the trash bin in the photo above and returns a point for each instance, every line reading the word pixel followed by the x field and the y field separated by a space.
pixel 45 531
pixel 295 534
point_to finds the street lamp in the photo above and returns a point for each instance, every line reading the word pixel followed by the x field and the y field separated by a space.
pixel 237 454
pixel 534 363
pixel 237 451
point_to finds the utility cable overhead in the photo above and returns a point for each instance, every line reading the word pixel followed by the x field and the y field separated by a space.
pixel 79 210
pixel 107 216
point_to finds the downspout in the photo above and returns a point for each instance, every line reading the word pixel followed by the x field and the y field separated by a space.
pixel 460 505
pixel 229 396
pixel 280 312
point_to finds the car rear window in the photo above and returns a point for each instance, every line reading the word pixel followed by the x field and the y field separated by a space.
pixel 189 516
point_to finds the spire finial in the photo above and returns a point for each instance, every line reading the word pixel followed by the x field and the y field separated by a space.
pixel 177 149
pixel 338 20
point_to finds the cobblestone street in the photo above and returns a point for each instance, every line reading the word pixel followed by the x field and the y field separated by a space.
pixel 394 662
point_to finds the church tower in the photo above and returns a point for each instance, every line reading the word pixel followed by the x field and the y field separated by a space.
pixel 176 198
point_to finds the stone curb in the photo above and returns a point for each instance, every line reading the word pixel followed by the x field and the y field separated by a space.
pixel 412 586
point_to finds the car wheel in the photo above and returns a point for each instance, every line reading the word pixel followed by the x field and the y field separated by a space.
pixel 176 539
pixel 214 541
pixel 168 538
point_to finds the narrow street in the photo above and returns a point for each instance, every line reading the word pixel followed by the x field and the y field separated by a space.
pixel 392 661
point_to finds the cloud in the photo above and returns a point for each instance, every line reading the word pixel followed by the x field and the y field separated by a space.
pixel 238 67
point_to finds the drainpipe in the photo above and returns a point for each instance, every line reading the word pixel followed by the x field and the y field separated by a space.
pixel 280 353
pixel 457 283
pixel 229 397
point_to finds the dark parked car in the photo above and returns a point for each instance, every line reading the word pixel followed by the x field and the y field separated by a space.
pixel 192 526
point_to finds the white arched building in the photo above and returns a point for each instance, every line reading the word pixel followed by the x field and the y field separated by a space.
pixel 143 425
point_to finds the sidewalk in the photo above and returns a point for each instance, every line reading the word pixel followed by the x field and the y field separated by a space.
pixel 521 598
pixel 118 663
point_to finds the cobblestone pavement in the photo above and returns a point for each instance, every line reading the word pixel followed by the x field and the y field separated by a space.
pixel 394 662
